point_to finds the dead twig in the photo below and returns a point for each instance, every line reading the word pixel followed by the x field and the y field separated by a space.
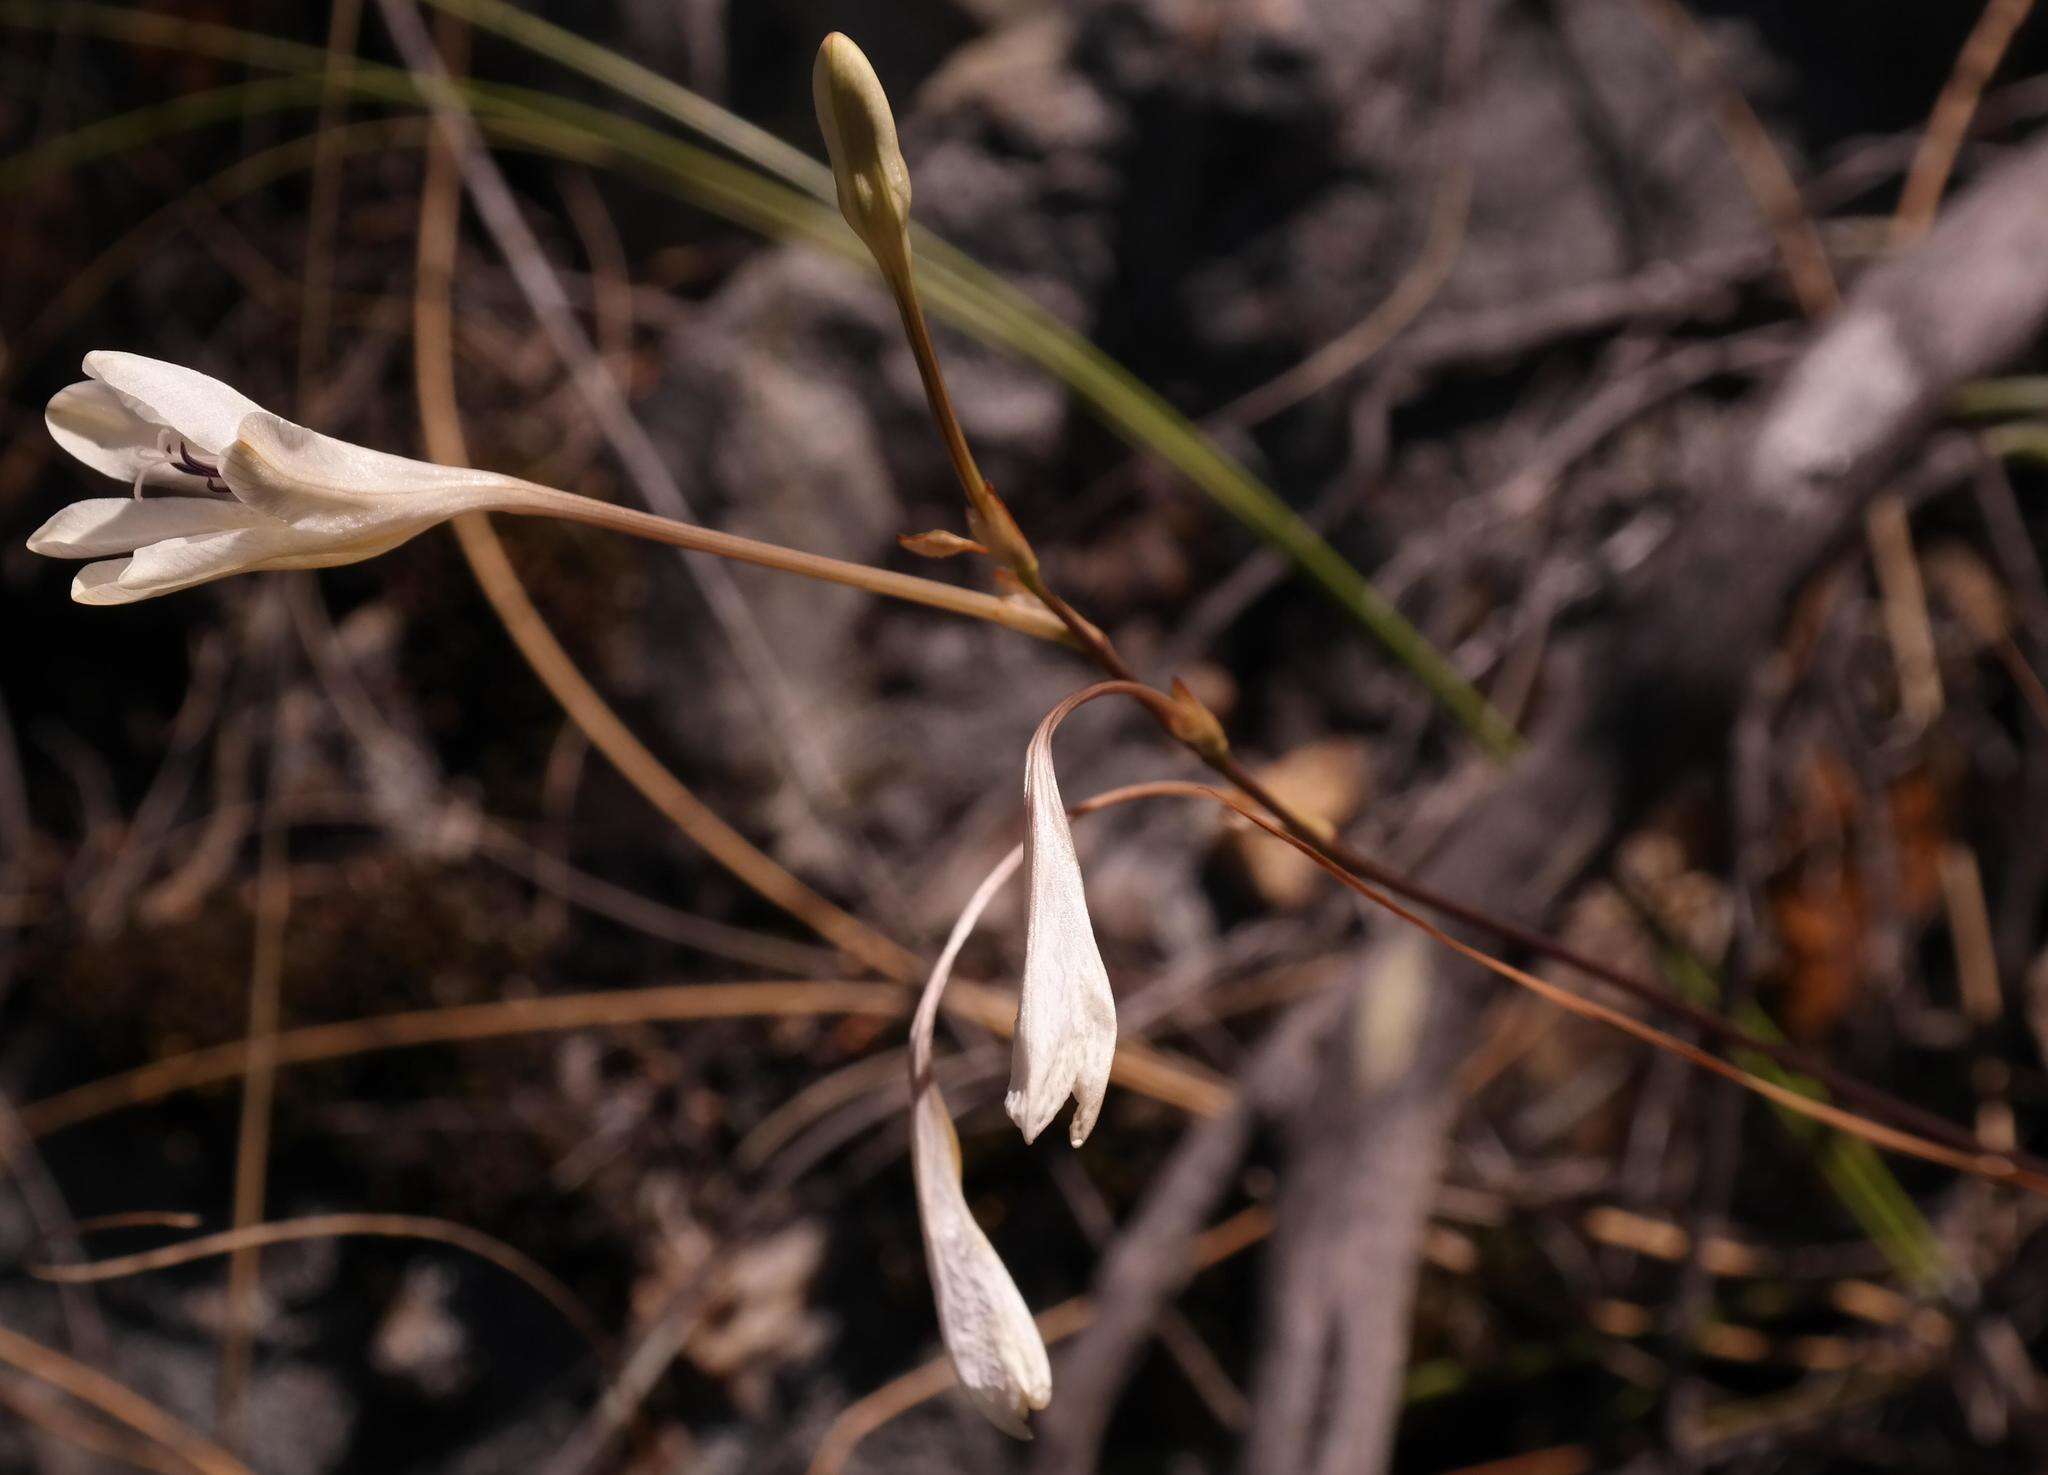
pixel 513 1262
pixel 51 1413
pixel 259 1079
pixel 96 1390
pixel 1949 124
pixel 1173 1082
pixel 1769 182
pixel 1450 208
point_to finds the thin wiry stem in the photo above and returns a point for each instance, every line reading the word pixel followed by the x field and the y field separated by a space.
pixel 1949 123
pixel 335 1226
pixel 1336 856
pixel 1012 615
pixel 1999 1167
pixel 1764 171
pixel 1151 1072
pixel 96 1390
pixel 259 1089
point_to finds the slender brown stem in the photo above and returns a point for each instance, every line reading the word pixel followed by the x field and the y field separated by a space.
pixel 119 1403
pixel 1949 124
pixel 1965 1156
pixel 1847 1087
pixel 1138 1068
pixel 1763 168
pixel 1363 866
pixel 1040 624
pixel 922 349
pixel 337 1226
pixel 273 903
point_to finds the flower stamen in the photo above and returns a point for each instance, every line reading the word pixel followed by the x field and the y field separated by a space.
pixel 191 465
pixel 174 452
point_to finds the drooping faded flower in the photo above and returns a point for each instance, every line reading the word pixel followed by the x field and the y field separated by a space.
pixel 221 486
pixel 989 1333
pixel 1066 1014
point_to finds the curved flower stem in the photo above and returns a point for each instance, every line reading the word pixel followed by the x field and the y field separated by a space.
pixel 1356 867
pixel 926 1017
pixel 1960 1153
pixel 1041 624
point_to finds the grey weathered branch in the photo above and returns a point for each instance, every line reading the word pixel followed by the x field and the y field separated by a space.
pixel 1644 701
pixel 1629 709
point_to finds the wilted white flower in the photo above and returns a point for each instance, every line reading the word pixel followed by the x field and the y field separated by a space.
pixel 221 486
pixel 1066 1015
pixel 988 1330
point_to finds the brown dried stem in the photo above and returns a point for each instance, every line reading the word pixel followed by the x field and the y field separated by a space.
pixel 336 1226
pixel 119 1403
pixel 1935 157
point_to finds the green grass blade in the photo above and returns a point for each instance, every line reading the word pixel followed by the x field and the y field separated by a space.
pixel 1990 399
pixel 1860 1178
pixel 2026 441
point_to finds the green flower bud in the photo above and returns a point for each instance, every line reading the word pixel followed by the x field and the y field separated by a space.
pixel 867 162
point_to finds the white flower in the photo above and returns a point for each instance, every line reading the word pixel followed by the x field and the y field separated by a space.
pixel 246 490
pixel 1066 1015
pixel 993 1342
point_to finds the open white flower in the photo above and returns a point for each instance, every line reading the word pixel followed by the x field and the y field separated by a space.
pixel 1066 1014
pixel 988 1330
pixel 221 486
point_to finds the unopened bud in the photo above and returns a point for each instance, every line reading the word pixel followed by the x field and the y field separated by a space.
pixel 867 162
pixel 938 543
pixel 1194 724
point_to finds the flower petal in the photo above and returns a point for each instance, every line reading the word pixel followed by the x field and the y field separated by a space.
pixel 94 424
pixel 320 484
pixel 102 525
pixel 1066 1014
pixel 988 1330
pixel 100 583
pixel 179 563
pixel 200 409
